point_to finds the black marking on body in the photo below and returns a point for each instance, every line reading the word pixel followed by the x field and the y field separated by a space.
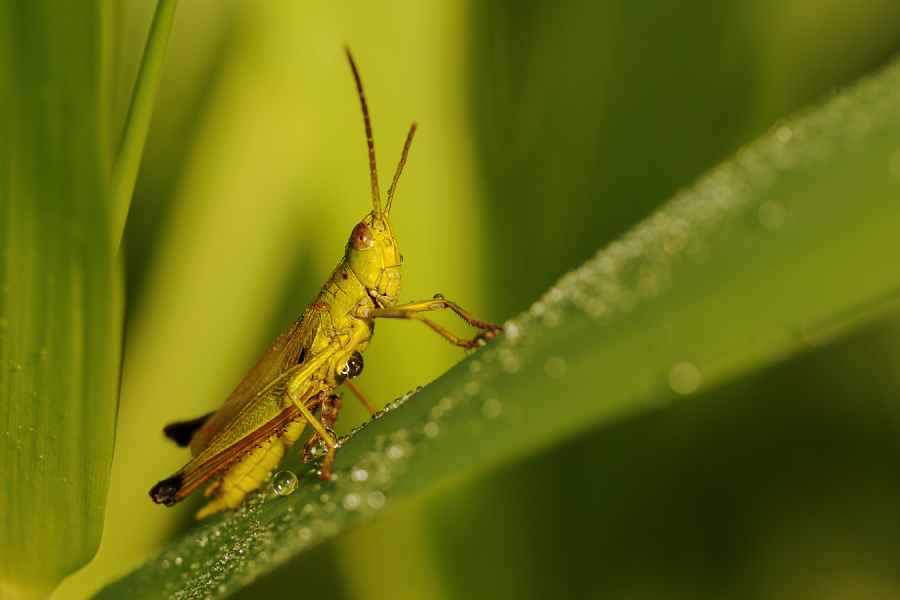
pixel 182 431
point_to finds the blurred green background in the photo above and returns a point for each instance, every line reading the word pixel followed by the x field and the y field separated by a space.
pixel 547 129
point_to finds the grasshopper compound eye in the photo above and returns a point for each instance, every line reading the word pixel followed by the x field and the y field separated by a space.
pixel 361 238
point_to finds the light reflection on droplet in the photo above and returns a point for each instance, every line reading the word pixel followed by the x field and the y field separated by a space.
pixel 431 429
pixel 771 214
pixel 376 500
pixel 555 367
pixel 394 452
pixel 673 245
pixel 351 501
pixel 684 378
pixel 596 306
pixel 491 408
pixel 284 483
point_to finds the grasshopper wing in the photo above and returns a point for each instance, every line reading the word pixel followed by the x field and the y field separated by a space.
pixel 283 354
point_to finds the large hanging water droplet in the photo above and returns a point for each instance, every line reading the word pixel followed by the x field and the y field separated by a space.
pixel 284 483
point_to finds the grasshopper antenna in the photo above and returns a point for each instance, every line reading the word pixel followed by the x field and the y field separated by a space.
pixel 412 131
pixel 376 197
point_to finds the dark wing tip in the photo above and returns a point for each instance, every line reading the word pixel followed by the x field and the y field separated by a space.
pixel 164 492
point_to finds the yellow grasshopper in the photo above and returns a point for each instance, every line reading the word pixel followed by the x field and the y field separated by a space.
pixel 247 437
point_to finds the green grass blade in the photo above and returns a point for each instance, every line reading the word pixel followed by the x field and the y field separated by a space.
pixel 140 111
pixel 780 249
pixel 60 296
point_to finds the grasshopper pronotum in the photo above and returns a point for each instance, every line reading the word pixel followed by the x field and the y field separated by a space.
pixel 248 436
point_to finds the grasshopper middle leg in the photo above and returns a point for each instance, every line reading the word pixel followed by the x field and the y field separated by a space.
pixel 411 311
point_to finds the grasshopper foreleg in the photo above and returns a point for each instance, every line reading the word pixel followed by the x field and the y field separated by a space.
pixel 301 381
pixel 411 311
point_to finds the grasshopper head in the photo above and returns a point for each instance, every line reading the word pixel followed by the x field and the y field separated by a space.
pixel 372 251
pixel 373 256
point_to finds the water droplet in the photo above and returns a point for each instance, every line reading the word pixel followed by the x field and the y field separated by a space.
pixel 771 214
pixel 491 408
pixel 596 306
pixel 376 500
pixel 432 429
pixel 359 475
pixel 673 245
pixel 511 330
pixel 164 564
pixel 438 296
pixel 784 134
pixel 551 319
pixel 474 366
pixel 537 309
pixel 351 501
pixel 284 483
pixel 401 259
pixel 555 367
pixel 394 451
pixel 419 389
pixel 178 561
pixel 684 378
pixel 472 388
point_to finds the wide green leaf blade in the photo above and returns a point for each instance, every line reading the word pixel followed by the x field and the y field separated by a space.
pixel 60 294
pixel 779 249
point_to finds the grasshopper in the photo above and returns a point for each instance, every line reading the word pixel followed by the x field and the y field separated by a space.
pixel 239 444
